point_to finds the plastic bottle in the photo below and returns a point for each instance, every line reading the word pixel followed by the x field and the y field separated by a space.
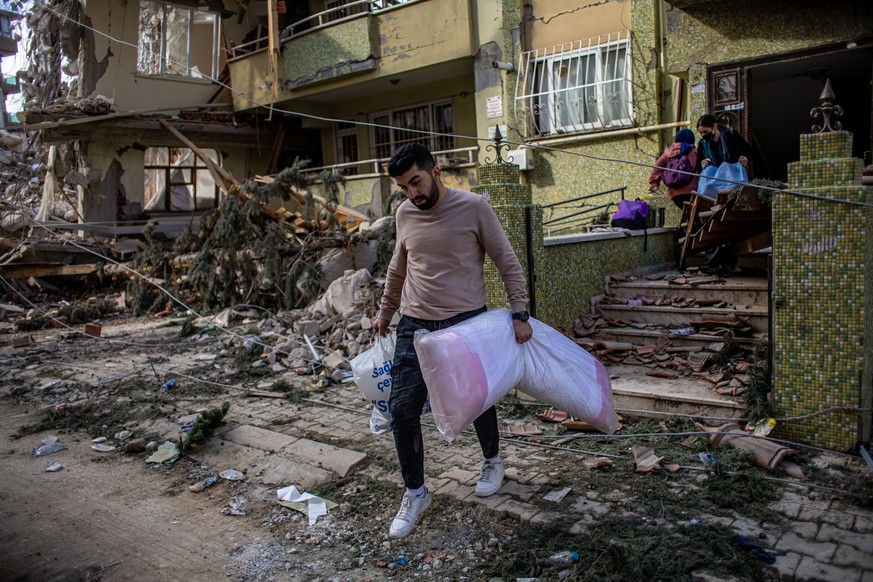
pixel 564 558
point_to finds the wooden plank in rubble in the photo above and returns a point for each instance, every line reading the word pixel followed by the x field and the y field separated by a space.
pixel 11 271
pixel 348 217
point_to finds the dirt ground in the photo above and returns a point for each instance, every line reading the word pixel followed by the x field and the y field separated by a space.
pixel 111 516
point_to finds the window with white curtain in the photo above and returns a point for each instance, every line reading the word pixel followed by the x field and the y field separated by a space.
pixel 178 181
pixel 578 87
pixel 177 40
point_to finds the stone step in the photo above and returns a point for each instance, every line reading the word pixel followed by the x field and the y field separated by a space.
pixel 683 316
pixel 642 337
pixel 635 394
pixel 737 291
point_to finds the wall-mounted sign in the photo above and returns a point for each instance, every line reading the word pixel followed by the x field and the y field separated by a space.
pixel 494 106
pixel 699 87
pixel 740 105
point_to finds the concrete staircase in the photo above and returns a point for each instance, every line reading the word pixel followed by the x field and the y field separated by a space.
pixel 661 309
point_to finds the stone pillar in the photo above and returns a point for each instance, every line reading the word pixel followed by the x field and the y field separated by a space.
pixel 511 202
pixel 823 296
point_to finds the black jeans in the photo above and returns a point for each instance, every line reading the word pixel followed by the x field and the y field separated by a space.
pixel 408 394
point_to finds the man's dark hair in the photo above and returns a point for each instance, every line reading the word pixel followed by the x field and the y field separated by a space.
pixel 408 155
pixel 706 120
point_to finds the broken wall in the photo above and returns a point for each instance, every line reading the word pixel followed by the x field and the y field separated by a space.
pixel 122 83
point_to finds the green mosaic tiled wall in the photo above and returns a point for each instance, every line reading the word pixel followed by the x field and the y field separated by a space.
pixel 574 273
pixel 567 275
pixel 821 295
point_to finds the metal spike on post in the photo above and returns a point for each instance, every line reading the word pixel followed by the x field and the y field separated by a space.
pixel 497 146
pixel 825 110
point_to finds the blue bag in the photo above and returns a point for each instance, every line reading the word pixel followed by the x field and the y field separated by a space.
pixel 712 178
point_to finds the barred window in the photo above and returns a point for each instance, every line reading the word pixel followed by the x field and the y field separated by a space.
pixel 437 117
pixel 577 87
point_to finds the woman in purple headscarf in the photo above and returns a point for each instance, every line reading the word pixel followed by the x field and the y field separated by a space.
pixel 675 167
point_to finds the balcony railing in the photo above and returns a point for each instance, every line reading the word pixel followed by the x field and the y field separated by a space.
pixel 323 19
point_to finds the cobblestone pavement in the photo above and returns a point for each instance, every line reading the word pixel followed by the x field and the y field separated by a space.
pixel 825 538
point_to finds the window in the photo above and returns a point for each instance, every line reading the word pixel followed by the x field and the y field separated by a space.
pixel 433 117
pixel 347 146
pixel 177 180
pixel 175 40
pixel 582 87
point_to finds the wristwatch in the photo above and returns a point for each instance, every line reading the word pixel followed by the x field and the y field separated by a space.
pixel 521 316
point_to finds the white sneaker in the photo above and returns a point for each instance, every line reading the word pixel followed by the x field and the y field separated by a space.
pixel 410 508
pixel 490 479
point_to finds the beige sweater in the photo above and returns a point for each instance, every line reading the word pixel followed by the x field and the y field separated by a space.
pixel 437 268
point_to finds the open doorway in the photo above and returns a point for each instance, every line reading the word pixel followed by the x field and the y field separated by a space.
pixel 774 97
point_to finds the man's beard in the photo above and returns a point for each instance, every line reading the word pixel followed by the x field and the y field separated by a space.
pixel 428 201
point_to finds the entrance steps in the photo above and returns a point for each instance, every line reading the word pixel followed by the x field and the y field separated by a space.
pixel 650 317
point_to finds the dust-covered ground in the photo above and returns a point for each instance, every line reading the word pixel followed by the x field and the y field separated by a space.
pixel 112 516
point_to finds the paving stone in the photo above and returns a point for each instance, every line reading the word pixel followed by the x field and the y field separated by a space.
pixel 847 555
pixel 336 459
pixel 453 489
pixel 809 570
pixel 805 529
pixel 838 519
pixel 461 476
pixel 490 502
pixel 584 524
pixel 589 507
pixel 788 508
pixel 745 526
pixel 518 510
pixel 863 525
pixel 549 518
pixel 523 492
pixel 811 512
pixel 259 438
pixel 867 576
pixel 861 541
pixel 704 577
pixel 785 566
pixel 821 551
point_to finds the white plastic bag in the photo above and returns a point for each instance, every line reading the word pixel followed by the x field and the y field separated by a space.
pixel 560 372
pixel 712 178
pixel 468 367
pixel 372 373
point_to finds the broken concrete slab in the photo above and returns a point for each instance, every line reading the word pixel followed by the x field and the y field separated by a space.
pixel 281 470
pixel 259 438
pixel 337 459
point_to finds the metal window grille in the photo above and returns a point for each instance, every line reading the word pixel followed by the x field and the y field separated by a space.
pixel 576 87
pixel 435 117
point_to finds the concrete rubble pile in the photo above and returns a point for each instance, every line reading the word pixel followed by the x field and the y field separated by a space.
pixel 325 335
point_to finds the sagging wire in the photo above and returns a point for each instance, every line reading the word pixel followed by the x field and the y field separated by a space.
pixel 422 132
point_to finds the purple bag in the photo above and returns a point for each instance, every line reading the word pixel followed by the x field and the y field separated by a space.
pixel 674 179
pixel 631 214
